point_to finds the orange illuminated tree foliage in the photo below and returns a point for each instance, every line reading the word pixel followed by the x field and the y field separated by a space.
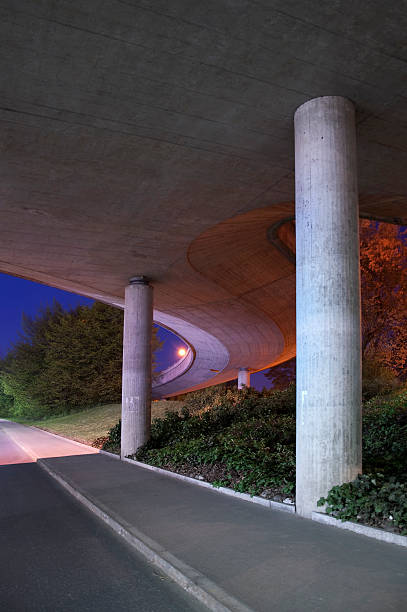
pixel 383 267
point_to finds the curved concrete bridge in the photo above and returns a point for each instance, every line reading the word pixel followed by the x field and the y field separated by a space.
pixel 159 141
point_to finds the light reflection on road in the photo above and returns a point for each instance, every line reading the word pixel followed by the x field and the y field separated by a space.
pixel 20 444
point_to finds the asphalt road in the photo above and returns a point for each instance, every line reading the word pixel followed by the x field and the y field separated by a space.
pixel 55 556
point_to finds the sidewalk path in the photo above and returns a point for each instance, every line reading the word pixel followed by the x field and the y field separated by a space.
pixel 267 559
pixel 41 444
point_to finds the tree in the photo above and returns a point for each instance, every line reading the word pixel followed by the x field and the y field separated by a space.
pixel 6 402
pixel 22 367
pixel 66 360
pixel 383 263
pixel 383 266
pixel 283 374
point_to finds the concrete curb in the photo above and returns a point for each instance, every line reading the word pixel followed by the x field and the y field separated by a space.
pixel 319 517
pixel 192 581
pixel 268 503
pixel 111 455
pixel 370 532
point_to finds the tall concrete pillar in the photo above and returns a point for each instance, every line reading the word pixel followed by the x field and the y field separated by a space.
pixel 328 299
pixel 136 382
pixel 243 378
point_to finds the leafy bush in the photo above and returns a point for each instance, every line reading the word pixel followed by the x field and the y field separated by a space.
pixel 113 441
pixel 6 401
pixel 215 414
pixel 385 435
pixel 379 497
pixel 370 499
pixel 377 379
pixel 249 435
pixel 246 440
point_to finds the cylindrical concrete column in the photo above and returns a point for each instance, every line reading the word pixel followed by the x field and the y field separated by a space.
pixel 243 378
pixel 136 382
pixel 328 299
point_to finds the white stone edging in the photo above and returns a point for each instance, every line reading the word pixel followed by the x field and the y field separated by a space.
pixel 319 517
pixel 370 532
pixel 268 503
pixel 191 580
pixel 112 455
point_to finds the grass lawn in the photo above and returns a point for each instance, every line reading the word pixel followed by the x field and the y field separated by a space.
pixel 93 423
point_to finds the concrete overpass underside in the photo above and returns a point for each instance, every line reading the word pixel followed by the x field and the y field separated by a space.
pixel 157 138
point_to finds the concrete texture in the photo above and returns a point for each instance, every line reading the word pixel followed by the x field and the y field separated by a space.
pixel 137 373
pixel 195 583
pixel 329 370
pixel 131 131
pixel 158 137
pixel 268 560
pixel 243 378
pixel 174 371
pixel 54 555
pixel 254 499
pixel 209 356
pixel 371 532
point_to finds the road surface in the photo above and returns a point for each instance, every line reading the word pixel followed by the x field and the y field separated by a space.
pixel 55 556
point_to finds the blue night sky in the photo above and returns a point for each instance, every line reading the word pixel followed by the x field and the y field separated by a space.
pixel 19 295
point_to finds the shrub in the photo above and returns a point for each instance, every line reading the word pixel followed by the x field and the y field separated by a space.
pixel 250 434
pixel 6 401
pixel 249 437
pixel 370 499
pixel 377 379
pixel 385 435
pixel 112 444
pixel 379 497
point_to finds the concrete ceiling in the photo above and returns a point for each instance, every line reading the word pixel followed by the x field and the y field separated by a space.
pixel 156 138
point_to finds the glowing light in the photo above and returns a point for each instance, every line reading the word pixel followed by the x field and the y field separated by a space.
pixel 182 352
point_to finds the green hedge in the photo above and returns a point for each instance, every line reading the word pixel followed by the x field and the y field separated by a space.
pixel 385 435
pixel 374 500
pixel 379 497
pixel 250 438
pixel 249 435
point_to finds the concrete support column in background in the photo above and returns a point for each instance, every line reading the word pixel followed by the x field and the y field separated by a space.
pixel 328 299
pixel 136 382
pixel 243 378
